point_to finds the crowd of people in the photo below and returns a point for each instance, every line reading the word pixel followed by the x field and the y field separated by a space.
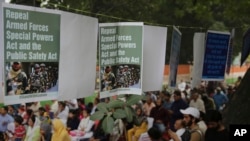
pixel 188 115
pixel 40 79
pixel 122 77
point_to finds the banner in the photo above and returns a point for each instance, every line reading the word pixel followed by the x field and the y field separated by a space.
pixel 77 66
pixel 154 53
pixel 174 56
pixel 31 54
pixel 198 52
pixel 230 51
pixel 120 58
pixel 215 57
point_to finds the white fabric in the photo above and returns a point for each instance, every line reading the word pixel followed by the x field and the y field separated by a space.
pixel 203 127
pixel 86 124
pixel 179 133
pixel 144 137
pixel 199 104
pixel 154 53
pixel 77 56
pixel 63 114
pixel 198 52
pixel 150 122
pixel 73 101
pixel 191 111
pixel 31 131
pixel 54 107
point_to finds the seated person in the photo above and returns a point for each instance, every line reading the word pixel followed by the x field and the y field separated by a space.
pixel 85 126
pixel 73 120
pixel 140 127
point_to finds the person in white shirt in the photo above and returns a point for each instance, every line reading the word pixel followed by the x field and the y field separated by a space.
pixel 72 104
pixel 180 128
pixel 182 85
pixel 197 102
pixel 63 112
pixel 35 108
pixel 86 124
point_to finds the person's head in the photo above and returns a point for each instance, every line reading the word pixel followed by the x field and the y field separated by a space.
pixel 195 95
pixel 32 121
pixel 138 111
pixel 29 112
pixel 166 95
pixel 61 105
pixel 96 101
pixel 179 123
pixel 213 119
pixel 149 99
pixel 90 105
pixel 86 112
pixel 218 90
pixel 4 110
pixel 107 69
pixel 42 66
pixel 41 111
pixel 72 114
pixel 11 109
pixel 159 102
pixel 177 95
pixel 154 134
pixel 191 116
pixel 18 120
pixel 16 66
pixel 37 68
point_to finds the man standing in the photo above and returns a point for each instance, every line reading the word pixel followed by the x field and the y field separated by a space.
pixel 196 102
pixel 178 104
pixel 216 131
pixel 191 118
pixel 5 119
pixel 108 79
pixel 220 99
pixel 35 81
pixel 16 80
pixel 160 115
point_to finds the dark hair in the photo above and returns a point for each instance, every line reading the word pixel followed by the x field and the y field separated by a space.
pixel 166 93
pixel 62 103
pixel 72 111
pixel 6 108
pixel 29 112
pixel 41 109
pixel 195 119
pixel 33 118
pixel 202 115
pixel 154 133
pixel 213 116
pixel 18 119
pixel 177 92
pixel 88 110
pixel 97 100
pixel 90 105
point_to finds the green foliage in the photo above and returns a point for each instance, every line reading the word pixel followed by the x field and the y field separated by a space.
pixel 98 115
pixel 108 124
pixel 102 107
pixel 116 109
pixel 129 114
pixel 133 99
pixel 119 114
pixel 115 104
